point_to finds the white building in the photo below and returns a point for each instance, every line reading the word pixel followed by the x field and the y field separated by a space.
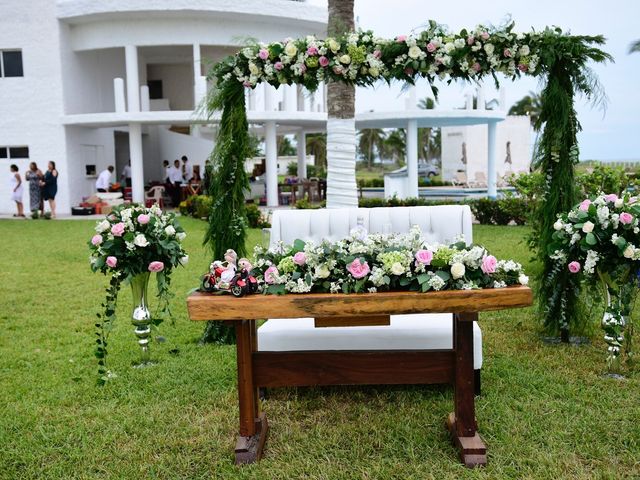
pixel 465 148
pixel 105 82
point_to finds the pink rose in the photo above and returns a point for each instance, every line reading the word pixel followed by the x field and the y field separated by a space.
pixel 246 83
pixel 263 53
pixel 626 218
pixel 401 38
pixel 632 200
pixel 96 240
pixel 313 51
pixel 118 229
pixel 270 273
pixel 408 71
pixel 112 262
pixel 611 197
pixel 323 61
pixel 507 53
pixel 424 257
pixel 476 67
pixel 522 67
pixel 489 263
pixel 357 269
pixel 143 219
pixel 484 36
pixel 471 40
pixel 156 267
pixel 584 206
pixel 278 66
pixel 431 47
pixel 303 68
pixel 574 267
pixel 377 53
pixel 300 258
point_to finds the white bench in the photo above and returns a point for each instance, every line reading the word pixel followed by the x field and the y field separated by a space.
pixel 405 332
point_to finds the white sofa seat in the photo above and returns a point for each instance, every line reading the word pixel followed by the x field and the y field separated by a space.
pixel 406 332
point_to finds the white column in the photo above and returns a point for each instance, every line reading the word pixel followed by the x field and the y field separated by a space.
pixel 301 141
pixel 269 101
pixel 503 98
pixel 145 103
pixel 481 104
pixel 133 82
pixel 341 163
pixel 271 159
pixel 412 159
pixel 118 93
pixel 196 75
pixel 300 98
pixel 137 169
pixel 492 191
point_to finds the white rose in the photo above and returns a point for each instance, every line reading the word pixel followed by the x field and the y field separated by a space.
pixel 629 251
pixel 181 236
pixel 290 49
pixel 457 270
pixel 333 45
pixel 322 271
pixel 346 59
pixel 397 268
pixel 170 231
pixel 374 71
pixel 618 203
pixel 524 50
pixel 253 68
pixel 103 226
pixel 140 240
pixel 588 227
pixel 558 225
pixel 489 48
pixel 184 260
pixel 523 279
pixel 415 52
pixel 449 47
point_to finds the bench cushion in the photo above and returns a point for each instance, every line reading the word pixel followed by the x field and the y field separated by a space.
pixel 406 332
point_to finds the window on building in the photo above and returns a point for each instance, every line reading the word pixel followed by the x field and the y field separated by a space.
pixel 14 152
pixel 11 63
pixel 155 89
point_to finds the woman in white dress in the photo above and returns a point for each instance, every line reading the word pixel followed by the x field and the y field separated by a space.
pixel 16 190
pixel 230 257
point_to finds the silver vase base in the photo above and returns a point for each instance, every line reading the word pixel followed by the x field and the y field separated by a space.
pixel 614 376
pixel 143 364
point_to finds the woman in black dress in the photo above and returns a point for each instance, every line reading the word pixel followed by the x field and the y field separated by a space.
pixel 50 187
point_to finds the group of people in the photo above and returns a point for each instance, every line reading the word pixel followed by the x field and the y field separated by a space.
pixel 177 175
pixel 42 187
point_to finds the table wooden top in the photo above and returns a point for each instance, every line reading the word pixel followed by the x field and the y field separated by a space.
pixel 207 306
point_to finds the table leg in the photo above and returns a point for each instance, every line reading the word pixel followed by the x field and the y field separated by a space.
pixel 253 423
pixel 462 422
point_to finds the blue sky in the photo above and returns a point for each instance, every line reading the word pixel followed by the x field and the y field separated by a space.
pixel 610 135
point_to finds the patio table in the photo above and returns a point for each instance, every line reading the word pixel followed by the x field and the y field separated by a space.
pixel 356 367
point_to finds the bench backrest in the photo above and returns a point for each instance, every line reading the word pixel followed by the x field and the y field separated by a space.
pixel 438 223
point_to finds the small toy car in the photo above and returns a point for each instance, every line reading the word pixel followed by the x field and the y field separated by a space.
pixel 241 284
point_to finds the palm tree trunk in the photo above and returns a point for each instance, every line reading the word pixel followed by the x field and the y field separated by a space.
pixel 341 129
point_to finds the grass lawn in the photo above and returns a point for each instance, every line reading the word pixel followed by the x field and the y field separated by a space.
pixel 546 412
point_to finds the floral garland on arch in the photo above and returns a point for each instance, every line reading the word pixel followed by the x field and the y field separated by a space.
pixel 379 262
pixel 598 242
pixel 130 241
pixel 361 58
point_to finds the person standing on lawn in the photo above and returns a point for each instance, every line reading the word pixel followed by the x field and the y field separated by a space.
pixel 125 178
pixel 34 177
pixel 50 187
pixel 175 180
pixel 104 179
pixel 16 190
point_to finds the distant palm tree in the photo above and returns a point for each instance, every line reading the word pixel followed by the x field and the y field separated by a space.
pixel 528 105
pixel 427 103
pixel 395 146
pixel 317 146
pixel 371 141
pixel 285 147
pixel 634 47
pixel 426 145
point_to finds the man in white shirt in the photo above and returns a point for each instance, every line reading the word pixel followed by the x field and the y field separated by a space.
pixel 187 169
pixel 104 179
pixel 175 180
pixel 125 178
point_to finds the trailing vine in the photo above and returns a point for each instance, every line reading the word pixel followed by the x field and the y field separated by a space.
pixel 104 325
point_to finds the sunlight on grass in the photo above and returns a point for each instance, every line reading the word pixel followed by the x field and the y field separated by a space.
pixel 546 411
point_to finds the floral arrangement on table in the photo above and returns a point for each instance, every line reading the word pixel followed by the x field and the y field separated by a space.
pixel 378 262
pixel 129 244
pixel 598 241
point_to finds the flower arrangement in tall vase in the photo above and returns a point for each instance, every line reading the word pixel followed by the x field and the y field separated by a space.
pixel 598 243
pixel 130 244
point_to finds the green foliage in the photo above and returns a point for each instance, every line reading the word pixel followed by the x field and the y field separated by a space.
pixel 255 217
pixel 502 211
pixel 305 204
pixel 603 178
pixel 528 105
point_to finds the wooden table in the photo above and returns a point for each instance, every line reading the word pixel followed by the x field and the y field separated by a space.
pixel 294 368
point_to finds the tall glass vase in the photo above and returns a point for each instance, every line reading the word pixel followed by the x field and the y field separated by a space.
pixel 141 317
